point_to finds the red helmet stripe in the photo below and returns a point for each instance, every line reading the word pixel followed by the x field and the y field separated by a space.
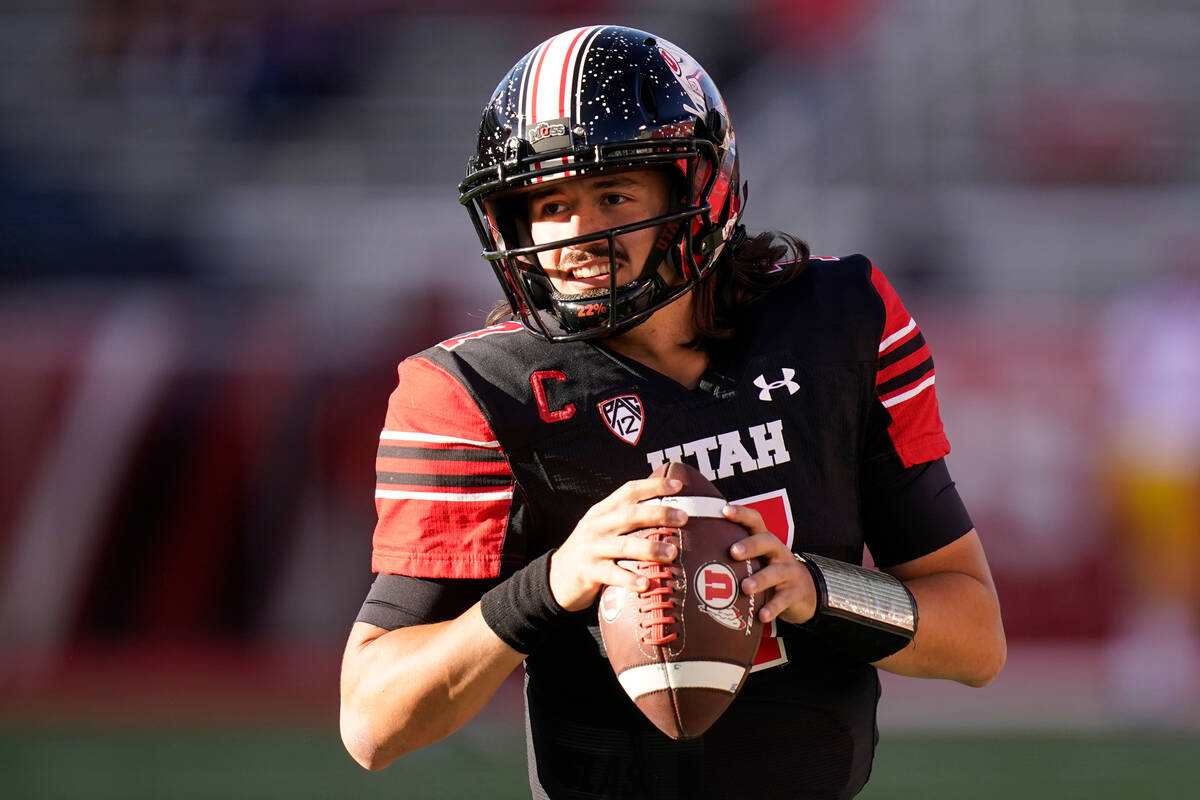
pixel 537 76
pixel 564 79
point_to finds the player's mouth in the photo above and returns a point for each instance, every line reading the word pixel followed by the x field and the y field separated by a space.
pixel 587 275
pixel 596 268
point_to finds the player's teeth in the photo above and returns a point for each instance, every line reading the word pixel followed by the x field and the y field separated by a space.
pixel 591 272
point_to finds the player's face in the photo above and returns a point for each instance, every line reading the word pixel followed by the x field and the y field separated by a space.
pixel 572 207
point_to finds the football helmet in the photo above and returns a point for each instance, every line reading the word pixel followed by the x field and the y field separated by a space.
pixel 595 99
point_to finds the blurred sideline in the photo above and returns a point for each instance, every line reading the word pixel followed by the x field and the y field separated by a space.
pixel 223 224
pixel 1048 688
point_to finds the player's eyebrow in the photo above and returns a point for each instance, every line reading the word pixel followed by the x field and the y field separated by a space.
pixel 609 181
pixel 538 194
pixel 600 182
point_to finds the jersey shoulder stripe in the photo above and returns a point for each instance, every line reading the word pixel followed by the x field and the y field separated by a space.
pixel 905 380
pixel 443 485
pixel 454 342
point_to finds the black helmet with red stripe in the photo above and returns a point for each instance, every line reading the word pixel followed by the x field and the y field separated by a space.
pixel 597 99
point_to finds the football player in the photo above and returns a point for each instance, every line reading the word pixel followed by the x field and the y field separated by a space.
pixel 643 325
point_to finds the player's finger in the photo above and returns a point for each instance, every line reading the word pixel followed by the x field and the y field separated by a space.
pixel 612 574
pixel 633 547
pixel 760 545
pixel 629 518
pixel 773 576
pixel 642 489
pixel 778 604
pixel 746 517
pixel 791 591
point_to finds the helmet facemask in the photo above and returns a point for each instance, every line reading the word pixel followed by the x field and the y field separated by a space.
pixel 668 270
pixel 672 124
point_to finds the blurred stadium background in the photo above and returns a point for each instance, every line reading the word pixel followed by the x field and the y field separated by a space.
pixel 222 224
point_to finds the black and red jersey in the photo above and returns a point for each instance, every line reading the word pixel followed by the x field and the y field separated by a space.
pixel 820 414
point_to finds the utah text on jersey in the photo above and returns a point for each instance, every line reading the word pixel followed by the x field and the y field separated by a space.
pixel 730 450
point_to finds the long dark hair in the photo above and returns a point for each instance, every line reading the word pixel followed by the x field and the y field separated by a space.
pixel 754 266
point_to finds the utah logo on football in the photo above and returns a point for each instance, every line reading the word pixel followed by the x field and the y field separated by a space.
pixel 717 588
pixel 624 416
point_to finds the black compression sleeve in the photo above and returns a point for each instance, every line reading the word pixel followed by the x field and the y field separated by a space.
pixel 908 513
pixel 397 601
pixel 521 609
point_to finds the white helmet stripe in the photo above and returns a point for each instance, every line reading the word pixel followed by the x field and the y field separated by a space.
pixel 555 68
pixel 554 71
pixel 522 109
pixel 534 84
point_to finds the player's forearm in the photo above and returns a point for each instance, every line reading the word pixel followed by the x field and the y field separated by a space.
pixel 407 688
pixel 959 635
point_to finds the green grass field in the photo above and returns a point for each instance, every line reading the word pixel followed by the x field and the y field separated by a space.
pixel 135 764
pixel 132 764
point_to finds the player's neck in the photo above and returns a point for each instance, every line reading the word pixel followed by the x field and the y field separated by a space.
pixel 661 343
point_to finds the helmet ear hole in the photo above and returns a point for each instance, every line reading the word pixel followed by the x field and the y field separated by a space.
pixel 539 290
pixel 715 122
pixel 510 219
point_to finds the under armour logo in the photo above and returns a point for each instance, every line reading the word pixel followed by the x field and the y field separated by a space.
pixel 767 388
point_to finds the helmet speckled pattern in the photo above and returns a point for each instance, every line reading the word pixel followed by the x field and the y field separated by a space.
pixel 595 99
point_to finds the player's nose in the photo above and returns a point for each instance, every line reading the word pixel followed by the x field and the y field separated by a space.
pixel 586 219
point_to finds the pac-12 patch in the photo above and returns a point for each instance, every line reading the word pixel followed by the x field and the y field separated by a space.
pixel 624 416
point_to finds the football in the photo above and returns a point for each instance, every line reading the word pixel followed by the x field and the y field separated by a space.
pixel 682 648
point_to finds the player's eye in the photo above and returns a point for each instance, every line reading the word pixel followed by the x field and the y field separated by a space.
pixel 549 208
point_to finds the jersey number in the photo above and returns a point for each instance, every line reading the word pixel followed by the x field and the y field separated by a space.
pixel 776 512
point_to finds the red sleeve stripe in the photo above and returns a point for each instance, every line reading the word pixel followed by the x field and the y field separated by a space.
pixel 898 335
pixel 455 474
pixel 433 438
pixel 434 454
pixel 910 394
pixel 898 354
pixel 444 489
pixel 904 374
pixel 905 382
pixel 443 497
pixel 905 366
pixel 442 462
pixel 450 481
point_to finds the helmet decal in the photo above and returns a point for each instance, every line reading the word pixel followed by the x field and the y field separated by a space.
pixel 688 73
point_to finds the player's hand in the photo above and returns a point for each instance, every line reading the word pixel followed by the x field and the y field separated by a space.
pixel 793 597
pixel 587 560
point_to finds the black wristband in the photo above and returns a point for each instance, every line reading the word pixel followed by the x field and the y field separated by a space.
pixel 862 613
pixel 522 609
